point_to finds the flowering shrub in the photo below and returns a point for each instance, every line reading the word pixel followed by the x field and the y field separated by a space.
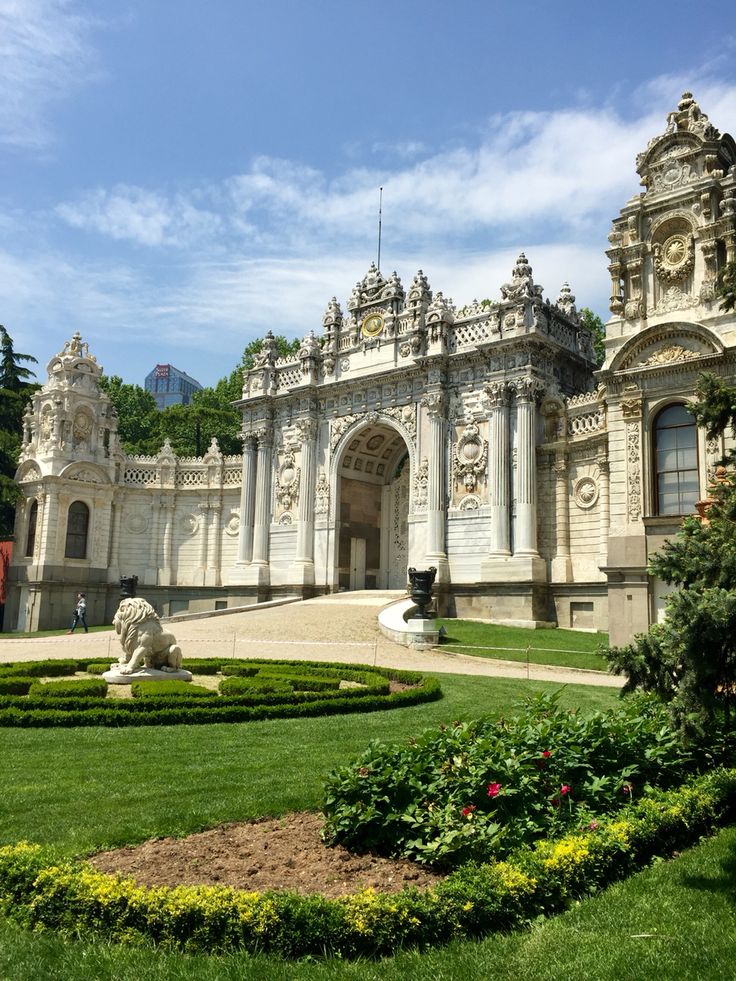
pixel 484 787
pixel 39 891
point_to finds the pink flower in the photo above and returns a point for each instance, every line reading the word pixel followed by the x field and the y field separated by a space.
pixel 494 789
pixel 593 825
pixel 565 790
pixel 467 811
pixel 627 788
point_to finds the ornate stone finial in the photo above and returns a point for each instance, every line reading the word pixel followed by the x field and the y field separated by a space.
pixel 393 288
pixel 266 357
pixel 440 309
pixel 76 348
pixel 333 314
pixel 309 347
pixel 522 283
pixel 419 291
pixel 566 301
pixel 213 454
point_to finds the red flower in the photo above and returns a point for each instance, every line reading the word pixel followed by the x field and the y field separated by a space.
pixel 565 790
pixel 467 811
pixel 494 789
pixel 546 753
pixel 627 788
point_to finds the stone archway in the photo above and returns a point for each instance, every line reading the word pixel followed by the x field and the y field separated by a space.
pixel 373 509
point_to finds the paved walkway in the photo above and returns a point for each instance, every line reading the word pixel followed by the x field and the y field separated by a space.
pixel 341 627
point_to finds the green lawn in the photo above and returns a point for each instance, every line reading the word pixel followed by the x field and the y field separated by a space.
pixel 86 789
pixel 567 648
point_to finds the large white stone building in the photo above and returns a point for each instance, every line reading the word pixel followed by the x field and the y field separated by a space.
pixel 479 440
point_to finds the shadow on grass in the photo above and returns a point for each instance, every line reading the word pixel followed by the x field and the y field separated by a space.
pixel 722 882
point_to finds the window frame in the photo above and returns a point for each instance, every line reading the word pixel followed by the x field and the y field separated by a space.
pixel 73 536
pixel 655 430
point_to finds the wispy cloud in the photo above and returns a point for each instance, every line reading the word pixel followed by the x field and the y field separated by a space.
pixel 44 55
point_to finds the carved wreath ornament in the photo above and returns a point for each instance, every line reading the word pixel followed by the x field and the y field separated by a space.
pixel 675 258
pixel 471 455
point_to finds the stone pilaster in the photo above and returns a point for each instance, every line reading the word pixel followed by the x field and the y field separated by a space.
pixel 114 570
pixel 561 564
pixel 212 574
pixel 247 507
pixel 435 404
pixel 603 509
pixel 167 505
pixel 303 569
pixel 150 575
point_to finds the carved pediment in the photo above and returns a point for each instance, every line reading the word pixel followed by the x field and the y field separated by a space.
pixel 86 473
pixel 666 346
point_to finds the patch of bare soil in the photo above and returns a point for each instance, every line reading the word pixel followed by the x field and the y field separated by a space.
pixel 279 853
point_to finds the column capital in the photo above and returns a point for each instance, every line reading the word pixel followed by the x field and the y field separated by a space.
pixel 307 429
pixel 435 403
pixel 497 394
pixel 249 438
pixel 527 389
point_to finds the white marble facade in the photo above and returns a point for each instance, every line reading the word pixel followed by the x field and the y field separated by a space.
pixel 479 440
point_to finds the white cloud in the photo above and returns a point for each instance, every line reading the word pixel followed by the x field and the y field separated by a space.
pixel 44 55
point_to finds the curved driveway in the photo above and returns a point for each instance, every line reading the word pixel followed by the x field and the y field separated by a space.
pixel 340 627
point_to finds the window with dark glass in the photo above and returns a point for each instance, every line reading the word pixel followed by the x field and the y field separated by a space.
pixel 77 526
pixel 32 521
pixel 676 461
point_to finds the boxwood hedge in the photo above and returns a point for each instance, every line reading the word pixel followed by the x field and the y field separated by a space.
pixel 281 691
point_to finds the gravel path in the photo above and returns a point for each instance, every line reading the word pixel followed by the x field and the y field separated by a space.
pixel 341 627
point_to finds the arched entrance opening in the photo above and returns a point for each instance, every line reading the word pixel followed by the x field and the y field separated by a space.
pixel 373 510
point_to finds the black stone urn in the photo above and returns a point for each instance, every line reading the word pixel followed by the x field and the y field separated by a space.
pixel 421 581
pixel 128 587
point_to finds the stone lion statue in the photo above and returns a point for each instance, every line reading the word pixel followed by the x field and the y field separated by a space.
pixel 144 641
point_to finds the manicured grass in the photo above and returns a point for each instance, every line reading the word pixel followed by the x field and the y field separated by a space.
pixel 567 648
pixel 86 789
pixel 676 921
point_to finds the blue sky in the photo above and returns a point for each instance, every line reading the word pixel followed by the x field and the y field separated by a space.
pixel 177 177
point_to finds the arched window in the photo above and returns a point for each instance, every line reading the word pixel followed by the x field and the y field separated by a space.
pixel 32 521
pixel 676 461
pixel 77 526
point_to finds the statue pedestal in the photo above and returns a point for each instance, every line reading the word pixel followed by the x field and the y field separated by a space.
pixel 115 677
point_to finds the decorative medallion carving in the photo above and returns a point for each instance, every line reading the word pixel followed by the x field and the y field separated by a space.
pixel 470 457
pixel 668 355
pixel 189 523
pixel 287 518
pixel 232 525
pixel 585 492
pixel 137 522
pixel 287 485
pixel 471 502
pixel 675 258
pixel 674 299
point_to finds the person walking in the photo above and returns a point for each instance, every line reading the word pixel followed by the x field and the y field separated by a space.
pixel 80 614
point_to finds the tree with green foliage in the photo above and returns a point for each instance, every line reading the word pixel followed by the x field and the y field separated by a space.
pixel 138 416
pixel 16 388
pixel 594 324
pixel 690 659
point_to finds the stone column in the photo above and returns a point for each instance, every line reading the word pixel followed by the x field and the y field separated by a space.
pixel 603 510
pixel 167 504
pixel 525 538
pixel 561 565
pixel 304 565
pixel 247 499
pixel 436 405
pixel 212 576
pixel 498 397
pixel 40 517
pixel 262 505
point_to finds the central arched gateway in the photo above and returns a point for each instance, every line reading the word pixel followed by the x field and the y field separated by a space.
pixel 373 493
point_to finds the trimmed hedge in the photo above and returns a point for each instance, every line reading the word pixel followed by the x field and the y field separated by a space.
pixel 238 684
pixel 78 688
pixel 41 669
pixel 169 689
pixel 250 703
pixel 38 891
pixel 15 686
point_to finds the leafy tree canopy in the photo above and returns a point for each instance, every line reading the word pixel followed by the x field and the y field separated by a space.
pixel 594 323
pixel 16 388
pixel 138 417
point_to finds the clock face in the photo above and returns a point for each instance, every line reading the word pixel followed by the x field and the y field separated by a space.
pixel 372 325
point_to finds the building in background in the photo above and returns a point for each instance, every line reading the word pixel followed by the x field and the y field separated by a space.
pixel 169 386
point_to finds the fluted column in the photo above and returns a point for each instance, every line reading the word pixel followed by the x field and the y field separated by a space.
pixel 525 537
pixel 151 573
pixel 262 516
pixel 114 571
pixel 561 565
pixel 247 498
pixel 499 476
pixel 436 405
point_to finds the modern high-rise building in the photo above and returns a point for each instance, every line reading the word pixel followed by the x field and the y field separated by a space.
pixel 169 386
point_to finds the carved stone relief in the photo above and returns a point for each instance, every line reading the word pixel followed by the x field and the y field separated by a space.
pixel 633 470
pixel 470 458
pixel 585 492
pixel 421 483
pixel 322 495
